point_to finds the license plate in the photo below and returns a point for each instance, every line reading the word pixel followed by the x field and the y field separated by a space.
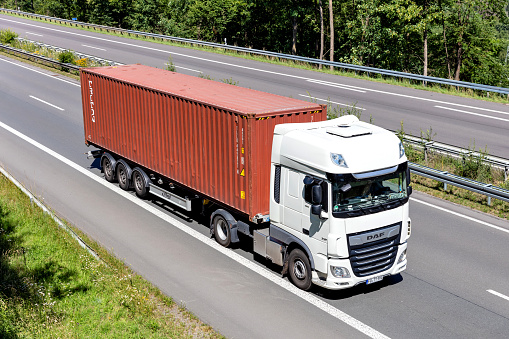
pixel 374 280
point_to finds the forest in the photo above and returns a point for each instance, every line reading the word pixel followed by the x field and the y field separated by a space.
pixel 464 40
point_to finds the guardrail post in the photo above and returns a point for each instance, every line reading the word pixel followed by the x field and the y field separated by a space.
pixel 506 172
pixel 489 198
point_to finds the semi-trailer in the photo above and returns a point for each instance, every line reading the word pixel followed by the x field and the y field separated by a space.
pixel 327 200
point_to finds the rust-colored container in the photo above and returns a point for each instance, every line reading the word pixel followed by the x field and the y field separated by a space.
pixel 213 138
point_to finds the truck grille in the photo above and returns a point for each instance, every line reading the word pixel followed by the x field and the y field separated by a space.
pixel 374 256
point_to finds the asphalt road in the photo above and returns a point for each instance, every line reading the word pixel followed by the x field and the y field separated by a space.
pixel 457 121
pixel 455 285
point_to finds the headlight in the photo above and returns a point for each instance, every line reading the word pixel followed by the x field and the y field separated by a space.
pixel 401 150
pixel 340 272
pixel 338 160
pixel 402 257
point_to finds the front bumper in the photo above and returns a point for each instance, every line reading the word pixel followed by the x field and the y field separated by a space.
pixel 333 283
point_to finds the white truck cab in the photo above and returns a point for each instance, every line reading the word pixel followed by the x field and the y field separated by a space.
pixel 339 202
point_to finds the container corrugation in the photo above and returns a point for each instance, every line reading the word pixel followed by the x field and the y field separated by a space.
pixel 213 138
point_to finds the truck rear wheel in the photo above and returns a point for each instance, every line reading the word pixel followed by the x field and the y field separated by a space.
pixel 109 172
pixel 299 269
pixel 122 176
pixel 140 186
pixel 222 231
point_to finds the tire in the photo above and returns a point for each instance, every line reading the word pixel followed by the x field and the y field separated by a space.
pixel 139 183
pixel 299 269
pixel 122 176
pixel 222 231
pixel 109 171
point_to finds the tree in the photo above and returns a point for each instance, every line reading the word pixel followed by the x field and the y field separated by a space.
pixel 320 8
pixel 211 19
pixel 472 39
pixel 331 22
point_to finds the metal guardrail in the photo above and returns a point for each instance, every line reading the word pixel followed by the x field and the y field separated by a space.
pixel 100 61
pixel 458 152
pixel 447 178
pixel 40 58
pixel 355 68
pixel 52 62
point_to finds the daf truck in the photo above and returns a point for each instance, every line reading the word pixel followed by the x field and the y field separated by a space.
pixel 327 200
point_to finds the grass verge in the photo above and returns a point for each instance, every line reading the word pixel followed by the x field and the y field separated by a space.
pixel 450 90
pixel 50 287
pixel 471 167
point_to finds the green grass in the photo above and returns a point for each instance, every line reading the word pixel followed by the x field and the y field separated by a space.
pixel 50 287
pixel 451 90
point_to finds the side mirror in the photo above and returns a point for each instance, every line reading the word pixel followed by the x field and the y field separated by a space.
pixel 316 195
pixel 316 209
pixel 409 190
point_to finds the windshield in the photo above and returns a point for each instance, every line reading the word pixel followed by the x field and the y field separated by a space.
pixel 365 194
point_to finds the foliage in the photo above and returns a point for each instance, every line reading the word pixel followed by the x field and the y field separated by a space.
pixel 7 36
pixel 458 39
pixel 230 81
pixel 205 76
pixel 66 57
pixel 170 66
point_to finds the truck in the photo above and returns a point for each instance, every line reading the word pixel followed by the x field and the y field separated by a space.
pixel 325 200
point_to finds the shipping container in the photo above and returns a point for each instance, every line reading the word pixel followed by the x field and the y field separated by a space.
pixel 210 137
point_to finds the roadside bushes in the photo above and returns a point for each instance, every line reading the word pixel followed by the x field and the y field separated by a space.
pixel 66 57
pixel 7 36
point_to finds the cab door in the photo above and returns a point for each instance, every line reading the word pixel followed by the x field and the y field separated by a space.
pixel 316 226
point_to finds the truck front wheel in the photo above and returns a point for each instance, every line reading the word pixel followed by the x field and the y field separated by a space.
pixel 299 269
pixel 222 231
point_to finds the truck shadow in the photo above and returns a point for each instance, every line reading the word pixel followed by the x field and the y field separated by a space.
pixel 356 290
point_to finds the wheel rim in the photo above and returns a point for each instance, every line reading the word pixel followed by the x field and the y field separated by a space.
pixel 108 171
pixel 122 177
pixel 221 229
pixel 299 269
pixel 138 181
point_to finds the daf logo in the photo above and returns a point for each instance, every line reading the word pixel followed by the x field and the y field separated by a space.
pixel 375 236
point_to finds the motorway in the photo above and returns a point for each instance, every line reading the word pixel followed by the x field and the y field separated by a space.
pixel 455 285
pixel 457 121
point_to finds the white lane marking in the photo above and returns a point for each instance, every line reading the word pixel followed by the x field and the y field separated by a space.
pixel 462 216
pixel 45 102
pixel 332 102
pixel 101 49
pixel 188 69
pixel 338 314
pixel 52 76
pixel 332 84
pixel 33 33
pixel 250 68
pixel 498 294
pixel 472 113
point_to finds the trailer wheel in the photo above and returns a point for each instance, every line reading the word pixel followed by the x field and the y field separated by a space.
pixel 299 269
pixel 140 186
pixel 122 176
pixel 109 172
pixel 222 231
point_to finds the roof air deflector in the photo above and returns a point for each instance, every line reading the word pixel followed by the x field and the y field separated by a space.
pixel 349 131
